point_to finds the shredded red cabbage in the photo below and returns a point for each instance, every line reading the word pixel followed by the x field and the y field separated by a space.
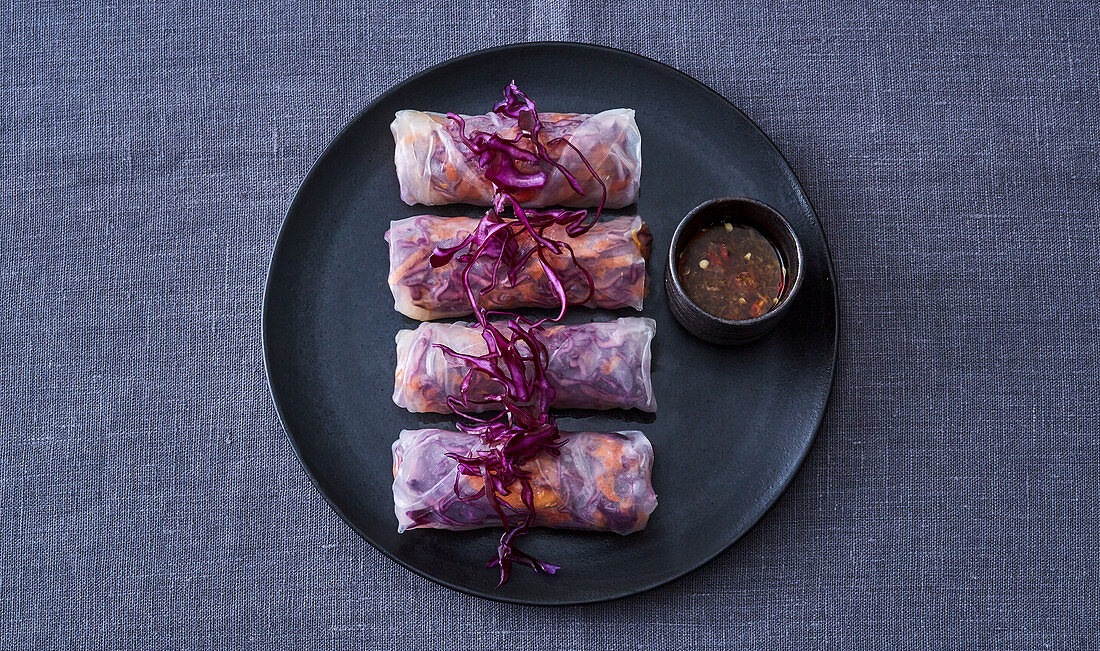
pixel 516 359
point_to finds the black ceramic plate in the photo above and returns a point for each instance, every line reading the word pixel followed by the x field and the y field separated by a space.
pixel 733 424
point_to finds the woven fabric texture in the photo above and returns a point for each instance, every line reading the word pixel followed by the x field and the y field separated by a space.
pixel 150 498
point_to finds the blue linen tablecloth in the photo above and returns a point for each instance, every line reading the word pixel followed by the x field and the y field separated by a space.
pixel 150 498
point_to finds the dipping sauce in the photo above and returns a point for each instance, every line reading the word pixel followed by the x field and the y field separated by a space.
pixel 732 271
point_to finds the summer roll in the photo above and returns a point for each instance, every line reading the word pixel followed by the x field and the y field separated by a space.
pixel 435 167
pixel 613 253
pixel 603 365
pixel 599 482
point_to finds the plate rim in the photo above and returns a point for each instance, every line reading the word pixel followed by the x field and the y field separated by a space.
pixel 281 243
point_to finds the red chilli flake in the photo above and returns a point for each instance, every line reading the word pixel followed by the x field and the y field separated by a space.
pixel 516 359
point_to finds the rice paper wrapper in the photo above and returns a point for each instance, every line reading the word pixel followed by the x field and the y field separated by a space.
pixel 599 482
pixel 612 252
pixel 601 365
pixel 434 167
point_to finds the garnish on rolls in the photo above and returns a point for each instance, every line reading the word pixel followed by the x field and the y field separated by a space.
pixel 517 359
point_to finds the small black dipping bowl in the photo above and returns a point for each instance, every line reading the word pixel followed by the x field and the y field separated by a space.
pixel 735 210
